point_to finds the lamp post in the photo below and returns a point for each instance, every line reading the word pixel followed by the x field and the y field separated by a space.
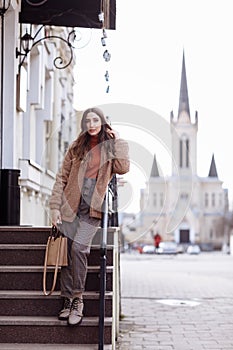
pixel 4 6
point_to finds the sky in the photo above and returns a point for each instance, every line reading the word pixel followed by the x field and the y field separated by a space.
pixel 145 71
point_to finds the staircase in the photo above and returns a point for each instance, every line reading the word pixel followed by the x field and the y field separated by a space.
pixel 29 317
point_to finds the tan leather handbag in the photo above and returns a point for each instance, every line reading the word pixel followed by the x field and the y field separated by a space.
pixel 55 256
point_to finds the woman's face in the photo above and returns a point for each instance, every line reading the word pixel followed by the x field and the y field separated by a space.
pixel 93 123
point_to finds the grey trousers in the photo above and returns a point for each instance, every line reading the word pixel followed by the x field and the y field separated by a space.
pixel 80 233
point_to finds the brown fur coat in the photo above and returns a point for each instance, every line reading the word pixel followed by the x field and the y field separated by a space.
pixel 66 192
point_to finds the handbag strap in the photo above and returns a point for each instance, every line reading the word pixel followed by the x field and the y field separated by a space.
pixel 46 293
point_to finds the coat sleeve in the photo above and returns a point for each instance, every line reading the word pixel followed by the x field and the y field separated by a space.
pixel 121 163
pixel 61 181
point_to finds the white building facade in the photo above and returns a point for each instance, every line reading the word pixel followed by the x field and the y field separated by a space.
pixel 184 207
pixel 38 117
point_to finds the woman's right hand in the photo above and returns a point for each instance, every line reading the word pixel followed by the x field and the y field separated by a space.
pixel 56 217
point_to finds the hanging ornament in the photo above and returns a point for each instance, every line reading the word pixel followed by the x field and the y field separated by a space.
pixel 104 33
pixel 106 54
pixel 101 17
pixel 103 41
pixel 106 76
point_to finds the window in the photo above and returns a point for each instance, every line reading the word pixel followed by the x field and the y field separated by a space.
pixel 161 199
pixel 220 199
pixel 187 153
pixel 181 153
pixel 206 199
pixel 211 233
pixel 184 196
pixel 60 134
pixel 48 128
pixel 213 199
pixel 155 200
pixel 66 146
pixel 184 152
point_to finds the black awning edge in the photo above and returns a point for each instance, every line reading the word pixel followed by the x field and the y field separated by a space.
pixel 69 13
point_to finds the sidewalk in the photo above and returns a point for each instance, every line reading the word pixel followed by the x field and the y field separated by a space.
pixel 176 303
pixel 170 303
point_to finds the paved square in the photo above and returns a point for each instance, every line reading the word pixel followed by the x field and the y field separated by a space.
pixel 178 302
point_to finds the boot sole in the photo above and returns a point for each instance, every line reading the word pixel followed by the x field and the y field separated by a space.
pixel 63 318
pixel 75 324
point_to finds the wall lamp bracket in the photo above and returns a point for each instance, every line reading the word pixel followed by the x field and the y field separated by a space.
pixel 27 42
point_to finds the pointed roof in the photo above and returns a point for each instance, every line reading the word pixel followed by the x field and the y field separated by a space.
pixel 213 169
pixel 154 169
pixel 184 99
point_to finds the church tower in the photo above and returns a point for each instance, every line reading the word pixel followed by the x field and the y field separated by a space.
pixel 184 207
pixel 184 133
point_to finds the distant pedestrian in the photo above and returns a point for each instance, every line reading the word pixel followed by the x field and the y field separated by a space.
pixel 77 197
pixel 157 240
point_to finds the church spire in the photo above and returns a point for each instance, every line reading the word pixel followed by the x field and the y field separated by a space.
pixel 213 169
pixel 154 170
pixel 184 99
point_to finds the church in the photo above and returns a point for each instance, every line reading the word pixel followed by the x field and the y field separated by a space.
pixel 184 207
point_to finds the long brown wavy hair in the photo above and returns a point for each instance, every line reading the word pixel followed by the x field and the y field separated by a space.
pixel 81 146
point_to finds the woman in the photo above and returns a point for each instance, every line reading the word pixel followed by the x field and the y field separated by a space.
pixel 77 199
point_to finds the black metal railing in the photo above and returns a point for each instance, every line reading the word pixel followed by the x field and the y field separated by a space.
pixel 109 218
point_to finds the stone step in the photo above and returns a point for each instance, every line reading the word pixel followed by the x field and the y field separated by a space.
pixel 33 254
pixel 49 330
pixel 24 346
pixel 27 316
pixel 39 235
pixel 34 303
pixel 31 278
pixel 23 234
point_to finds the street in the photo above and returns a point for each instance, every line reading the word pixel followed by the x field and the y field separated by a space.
pixel 182 302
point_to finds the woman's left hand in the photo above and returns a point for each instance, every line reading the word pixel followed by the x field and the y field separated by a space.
pixel 114 134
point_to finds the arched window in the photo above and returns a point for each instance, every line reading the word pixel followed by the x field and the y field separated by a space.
pixel 184 152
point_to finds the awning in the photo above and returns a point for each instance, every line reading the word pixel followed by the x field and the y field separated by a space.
pixel 68 13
